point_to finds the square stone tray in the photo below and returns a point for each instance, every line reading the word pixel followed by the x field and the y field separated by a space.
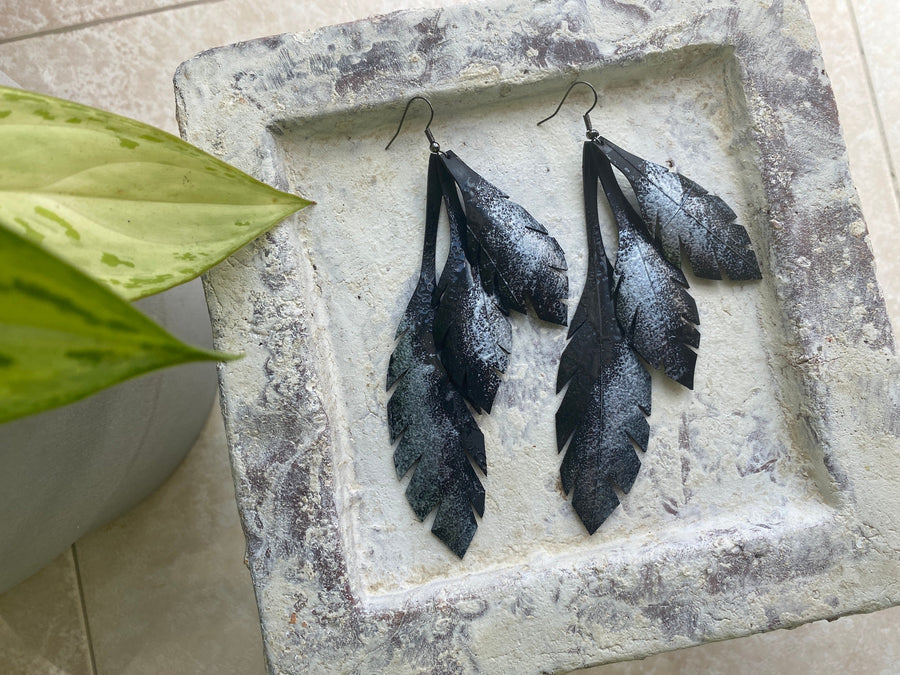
pixel 767 496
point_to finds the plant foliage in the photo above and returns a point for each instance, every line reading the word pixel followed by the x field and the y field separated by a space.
pixel 64 336
pixel 125 205
pixel 130 205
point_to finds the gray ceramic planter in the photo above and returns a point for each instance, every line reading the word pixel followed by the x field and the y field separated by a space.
pixel 68 471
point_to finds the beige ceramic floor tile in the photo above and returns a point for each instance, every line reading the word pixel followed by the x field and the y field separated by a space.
pixel 878 22
pixel 867 644
pixel 868 156
pixel 165 586
pixel 41 624
pixel 20 18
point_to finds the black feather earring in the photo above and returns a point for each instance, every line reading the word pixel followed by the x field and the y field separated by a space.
pixel 455 336
pixel 639 306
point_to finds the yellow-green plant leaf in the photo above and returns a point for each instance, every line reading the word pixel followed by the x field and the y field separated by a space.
pixel 133 206
pixel 64 336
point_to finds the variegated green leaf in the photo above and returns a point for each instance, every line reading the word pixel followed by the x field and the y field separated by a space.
pixel 133 206
pixel 64 336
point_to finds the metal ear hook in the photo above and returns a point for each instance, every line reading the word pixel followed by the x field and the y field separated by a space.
pixel 434 145
pixel 591 132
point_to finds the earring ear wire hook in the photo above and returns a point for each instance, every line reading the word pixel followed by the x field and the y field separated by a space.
pixel 591 132
pixel 434 145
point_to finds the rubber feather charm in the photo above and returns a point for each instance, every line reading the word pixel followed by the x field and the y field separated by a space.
pixel 641 305
pixel 658 315
pixel 605 407
pixel 455 338
pixel 439 439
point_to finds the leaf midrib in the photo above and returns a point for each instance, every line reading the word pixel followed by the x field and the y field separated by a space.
pixel 300 200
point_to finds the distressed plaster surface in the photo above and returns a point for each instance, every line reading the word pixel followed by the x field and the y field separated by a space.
pixel 767 496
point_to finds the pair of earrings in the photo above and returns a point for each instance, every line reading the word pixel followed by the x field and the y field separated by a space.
pixel 455 336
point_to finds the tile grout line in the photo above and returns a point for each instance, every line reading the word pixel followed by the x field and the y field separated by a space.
pixel 873 95
pixel 109 19
pixel 84 614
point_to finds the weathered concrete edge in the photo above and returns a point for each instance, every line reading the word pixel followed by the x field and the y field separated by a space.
pixel 808 317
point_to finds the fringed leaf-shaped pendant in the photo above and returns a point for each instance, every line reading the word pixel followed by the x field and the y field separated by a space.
pixel 516 257
pixel 655 310
pixel 681 213
pixel 471 329
pixel 608 397
pixel 438 435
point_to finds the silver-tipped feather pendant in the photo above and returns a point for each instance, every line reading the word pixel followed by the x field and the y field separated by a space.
pixel 455 337
pixel 603 414
pixel 641 305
